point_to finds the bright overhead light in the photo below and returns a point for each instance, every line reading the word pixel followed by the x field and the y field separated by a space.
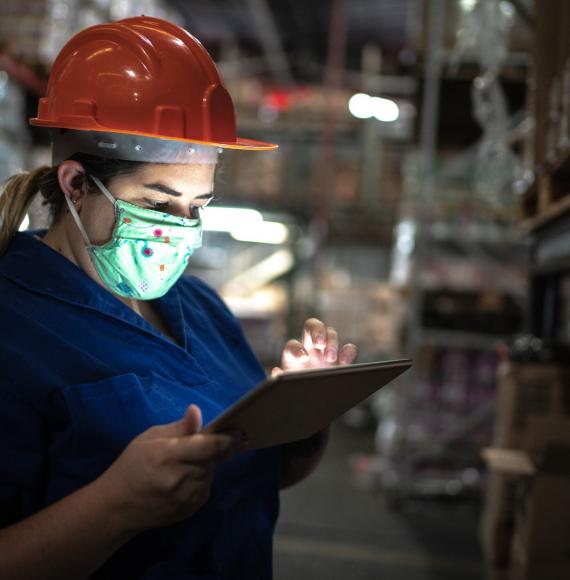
pixel 385 109
pixel 360 105
pixel 364 106
pixel 263 233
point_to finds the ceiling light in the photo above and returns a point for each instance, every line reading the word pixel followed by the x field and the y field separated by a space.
pixel 385 109
pixel 360 105
pixel 364 106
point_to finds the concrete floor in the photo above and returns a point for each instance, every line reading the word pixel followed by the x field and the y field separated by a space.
pixel 330 528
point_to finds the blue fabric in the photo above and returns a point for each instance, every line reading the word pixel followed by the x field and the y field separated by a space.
pixel 82 374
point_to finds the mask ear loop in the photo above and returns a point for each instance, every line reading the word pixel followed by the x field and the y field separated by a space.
pixel 103 189
pixel 75 214
pixel 78 223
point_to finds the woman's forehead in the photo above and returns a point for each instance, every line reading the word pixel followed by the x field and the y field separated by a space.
pixel 178 172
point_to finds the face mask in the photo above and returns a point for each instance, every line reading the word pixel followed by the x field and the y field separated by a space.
pixel 148 251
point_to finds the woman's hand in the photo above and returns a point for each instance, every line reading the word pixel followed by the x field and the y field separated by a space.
pixel 164 475
pixel 319 347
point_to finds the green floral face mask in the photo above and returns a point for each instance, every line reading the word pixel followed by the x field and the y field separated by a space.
pixel 148 251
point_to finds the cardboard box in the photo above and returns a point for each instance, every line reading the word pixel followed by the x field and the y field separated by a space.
pixel 526 519
pixel 497 520
pixel 542 516
pixel 541 432
pixel 527 391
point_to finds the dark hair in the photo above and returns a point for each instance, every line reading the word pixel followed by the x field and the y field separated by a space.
pixel 20 190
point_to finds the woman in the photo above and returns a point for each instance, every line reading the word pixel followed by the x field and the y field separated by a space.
pixel 111 361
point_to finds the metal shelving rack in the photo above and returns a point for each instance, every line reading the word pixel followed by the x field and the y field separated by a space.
pixel 431 449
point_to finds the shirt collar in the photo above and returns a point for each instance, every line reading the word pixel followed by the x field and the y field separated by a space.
pixel 31 263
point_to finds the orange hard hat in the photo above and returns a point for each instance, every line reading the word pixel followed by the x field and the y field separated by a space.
pixel 141 76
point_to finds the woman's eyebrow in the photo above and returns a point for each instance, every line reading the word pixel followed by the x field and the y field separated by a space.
pixel 169 191
pixel 163 189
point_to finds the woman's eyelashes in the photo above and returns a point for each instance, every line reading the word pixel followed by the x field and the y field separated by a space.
pixel 159 205
pixel 163 206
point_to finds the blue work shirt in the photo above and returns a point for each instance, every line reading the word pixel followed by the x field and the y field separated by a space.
pixel 82 374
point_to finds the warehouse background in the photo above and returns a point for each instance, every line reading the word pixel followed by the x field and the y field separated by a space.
pixel 419 203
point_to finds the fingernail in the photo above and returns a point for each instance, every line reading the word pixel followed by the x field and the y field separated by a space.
pixel 330 355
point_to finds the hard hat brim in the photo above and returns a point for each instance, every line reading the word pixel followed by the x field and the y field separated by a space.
pixel 239 144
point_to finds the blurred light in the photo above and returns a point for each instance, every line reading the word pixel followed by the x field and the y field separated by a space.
pixel 25 223
pixel 385 109
pixel 468 5
pixel 60 11
pixel 278 99
pixel 405 236
pixel 507 9
pixel 263 272
pixel 263 233
pixel 244 225
pixel 226 219
pixel 364 106
pixel 407 110
pixel 405 245
pixel 360 106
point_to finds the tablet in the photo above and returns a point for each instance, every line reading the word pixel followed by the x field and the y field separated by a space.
pixel 297 404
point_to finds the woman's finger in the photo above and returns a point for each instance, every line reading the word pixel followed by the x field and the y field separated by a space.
pixel 331 351
pixel 314 334
pixel 348 354
pixel 294 355
pixel 191 422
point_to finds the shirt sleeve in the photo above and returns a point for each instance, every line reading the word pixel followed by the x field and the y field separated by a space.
pixel 22 465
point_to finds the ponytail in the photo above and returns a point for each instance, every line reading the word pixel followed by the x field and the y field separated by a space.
pixel 15 201
pixel 21 189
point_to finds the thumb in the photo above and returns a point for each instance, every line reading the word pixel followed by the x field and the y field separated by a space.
pixel 190 423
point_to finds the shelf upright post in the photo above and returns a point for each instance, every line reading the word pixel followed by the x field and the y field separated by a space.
pixel 428 144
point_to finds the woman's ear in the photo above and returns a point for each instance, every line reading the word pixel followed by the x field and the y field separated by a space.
pixel 72 176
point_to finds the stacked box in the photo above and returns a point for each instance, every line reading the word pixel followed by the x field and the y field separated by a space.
pixel 533 413
pixel 540 545
pixel 528 391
